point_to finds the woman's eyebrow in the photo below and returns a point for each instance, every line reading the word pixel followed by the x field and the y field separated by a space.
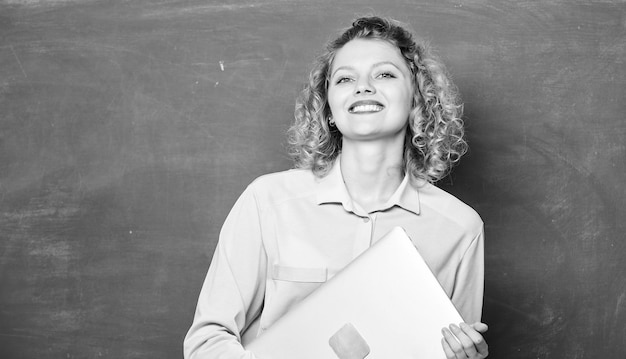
pixel 386 63
pixel 342 68
pixel 378 64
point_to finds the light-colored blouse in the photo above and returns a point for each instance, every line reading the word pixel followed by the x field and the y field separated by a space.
pixel 290 231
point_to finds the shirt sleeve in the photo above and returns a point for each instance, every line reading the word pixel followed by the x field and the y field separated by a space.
pixel 468 291
pixel 232 294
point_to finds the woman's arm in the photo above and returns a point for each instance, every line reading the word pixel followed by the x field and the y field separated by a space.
pixel 468 291
pixel 466 340
pixel 232 293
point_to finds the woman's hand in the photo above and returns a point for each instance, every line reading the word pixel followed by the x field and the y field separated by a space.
pixel 469 342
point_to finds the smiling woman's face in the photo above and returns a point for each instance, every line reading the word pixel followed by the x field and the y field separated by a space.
pixel 370 92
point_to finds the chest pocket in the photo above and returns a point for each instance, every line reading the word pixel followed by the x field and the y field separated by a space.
pixel 299 274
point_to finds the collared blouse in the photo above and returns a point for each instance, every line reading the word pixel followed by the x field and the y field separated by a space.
pixel 290 231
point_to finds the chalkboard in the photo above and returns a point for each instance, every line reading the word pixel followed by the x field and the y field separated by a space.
pixel 129 128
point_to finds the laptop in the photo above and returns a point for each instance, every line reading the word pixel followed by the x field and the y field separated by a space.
pixel 385 304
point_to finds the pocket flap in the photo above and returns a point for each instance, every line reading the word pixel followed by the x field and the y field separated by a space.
pixel 299 274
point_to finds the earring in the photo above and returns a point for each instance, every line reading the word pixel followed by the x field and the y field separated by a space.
pixel 331 121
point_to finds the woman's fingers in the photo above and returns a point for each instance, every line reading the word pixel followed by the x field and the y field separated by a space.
pixel 455 346
pixel 446 349
pixel 480 327
pixel 473 332
pixel 465 340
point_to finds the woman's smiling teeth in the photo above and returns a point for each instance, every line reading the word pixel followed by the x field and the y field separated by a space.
pixel 364 108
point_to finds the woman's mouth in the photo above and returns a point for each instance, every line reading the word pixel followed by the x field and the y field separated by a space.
pixel 366 107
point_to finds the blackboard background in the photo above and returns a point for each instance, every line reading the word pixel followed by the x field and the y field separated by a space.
pixel 129 128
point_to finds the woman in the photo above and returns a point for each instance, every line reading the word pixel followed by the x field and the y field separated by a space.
pixel 378 123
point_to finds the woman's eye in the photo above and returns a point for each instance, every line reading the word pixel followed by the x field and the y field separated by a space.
pixel 386 75
pixel 342 80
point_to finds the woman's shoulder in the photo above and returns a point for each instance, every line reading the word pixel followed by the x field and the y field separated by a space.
pixel 288 177
pixel 283 185
pixel 438 200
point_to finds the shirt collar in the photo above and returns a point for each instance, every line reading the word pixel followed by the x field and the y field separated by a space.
pixel 332 189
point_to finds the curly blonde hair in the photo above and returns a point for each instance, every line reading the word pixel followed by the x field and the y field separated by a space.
pixel 435 135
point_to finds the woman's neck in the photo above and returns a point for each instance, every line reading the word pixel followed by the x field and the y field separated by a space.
pixel 372 172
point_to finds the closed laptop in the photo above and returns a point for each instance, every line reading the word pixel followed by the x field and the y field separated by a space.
pixel 385 304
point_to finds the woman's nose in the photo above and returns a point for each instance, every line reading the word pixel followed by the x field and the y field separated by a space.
pixel 364 87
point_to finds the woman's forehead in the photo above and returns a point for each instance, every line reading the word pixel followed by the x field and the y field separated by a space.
pixel 366 52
